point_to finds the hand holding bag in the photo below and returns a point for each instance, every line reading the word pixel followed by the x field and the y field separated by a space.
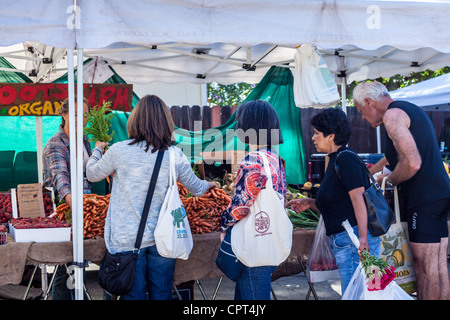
pixel 173 235
pixel 264 236
pixel 358 289
pixel 379 212
pixel 116 273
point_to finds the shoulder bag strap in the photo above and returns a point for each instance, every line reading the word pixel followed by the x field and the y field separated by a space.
pixel 371 178
pixel 148 200
pixel 267 170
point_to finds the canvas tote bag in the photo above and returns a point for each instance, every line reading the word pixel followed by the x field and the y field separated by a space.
pixel 264 236
pixel 396 251
pixel 173 235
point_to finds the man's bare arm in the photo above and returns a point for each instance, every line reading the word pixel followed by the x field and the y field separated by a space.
pixel 397 124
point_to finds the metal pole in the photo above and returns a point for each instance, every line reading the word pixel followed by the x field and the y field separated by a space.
pixel 79 194
pixel 73 165
pixel 344 95
pixel 378 140
pixel 39 148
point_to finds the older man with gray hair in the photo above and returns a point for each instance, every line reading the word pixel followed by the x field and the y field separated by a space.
pixel 412 153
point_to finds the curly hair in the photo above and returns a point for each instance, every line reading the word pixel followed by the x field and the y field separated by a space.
pixel 333 121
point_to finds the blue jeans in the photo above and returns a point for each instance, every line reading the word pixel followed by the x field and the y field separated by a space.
pixel 254 283
pixel 346 254
pixel 153 273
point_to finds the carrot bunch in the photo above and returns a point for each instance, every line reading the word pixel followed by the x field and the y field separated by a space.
pixel 204 212
pixel 95 208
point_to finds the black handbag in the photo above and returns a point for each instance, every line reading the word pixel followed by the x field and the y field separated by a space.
pixel 116 273
pixel 379 213
pixel 226 261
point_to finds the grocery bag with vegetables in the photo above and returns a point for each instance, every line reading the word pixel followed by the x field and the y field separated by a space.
pixel 322 263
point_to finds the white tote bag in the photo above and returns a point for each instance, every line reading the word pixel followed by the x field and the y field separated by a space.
pixel 264 236
pixel 395 248
pixel 173 235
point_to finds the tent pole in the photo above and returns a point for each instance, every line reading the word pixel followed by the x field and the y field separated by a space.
pixel 79 195
pixel 73 168
pixel 344 95
pixel 39 148
pixel 378 140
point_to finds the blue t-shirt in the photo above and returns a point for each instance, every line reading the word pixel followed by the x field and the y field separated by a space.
pixel 333 199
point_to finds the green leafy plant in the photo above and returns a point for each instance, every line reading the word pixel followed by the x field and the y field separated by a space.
pixel 99 123
pixel 228 95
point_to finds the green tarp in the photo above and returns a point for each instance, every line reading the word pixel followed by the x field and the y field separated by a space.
pixel 19 133
pixel 9 76
pixel 18 148
pixel 276 88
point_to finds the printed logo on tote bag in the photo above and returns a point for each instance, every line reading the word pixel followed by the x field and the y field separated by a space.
pixel 262 224
pixel 178 221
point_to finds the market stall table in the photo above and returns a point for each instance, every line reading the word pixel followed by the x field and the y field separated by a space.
pixel 200 265
pixel 16 255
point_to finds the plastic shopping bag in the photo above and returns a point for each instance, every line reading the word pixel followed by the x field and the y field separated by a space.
pixel 314 85
pixel 322 263
pixel 360 287
pixel 173 235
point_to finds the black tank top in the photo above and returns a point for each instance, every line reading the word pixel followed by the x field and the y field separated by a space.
pixel 431 182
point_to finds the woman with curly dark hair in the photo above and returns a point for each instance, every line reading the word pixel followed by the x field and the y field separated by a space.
pixel 340 197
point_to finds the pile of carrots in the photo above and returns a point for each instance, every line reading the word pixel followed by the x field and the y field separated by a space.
pixel 204 212
pixel 95 208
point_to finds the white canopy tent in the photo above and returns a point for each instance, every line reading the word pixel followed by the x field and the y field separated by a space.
pixel 198 41
pixel 223 40
pixel 432 94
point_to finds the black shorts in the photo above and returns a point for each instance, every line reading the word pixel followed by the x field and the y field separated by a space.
pixel 428 223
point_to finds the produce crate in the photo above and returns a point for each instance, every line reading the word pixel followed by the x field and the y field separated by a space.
pixel 8 205
pixel 3 234
pixel 40 235
pixel 41 229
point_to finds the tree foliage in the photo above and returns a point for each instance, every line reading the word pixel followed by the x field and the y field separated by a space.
pixel 234 94
pixel 399 81
pixel 228 95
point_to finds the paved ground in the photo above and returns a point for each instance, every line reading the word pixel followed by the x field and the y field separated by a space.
pixel 287 288
pixel 294 287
